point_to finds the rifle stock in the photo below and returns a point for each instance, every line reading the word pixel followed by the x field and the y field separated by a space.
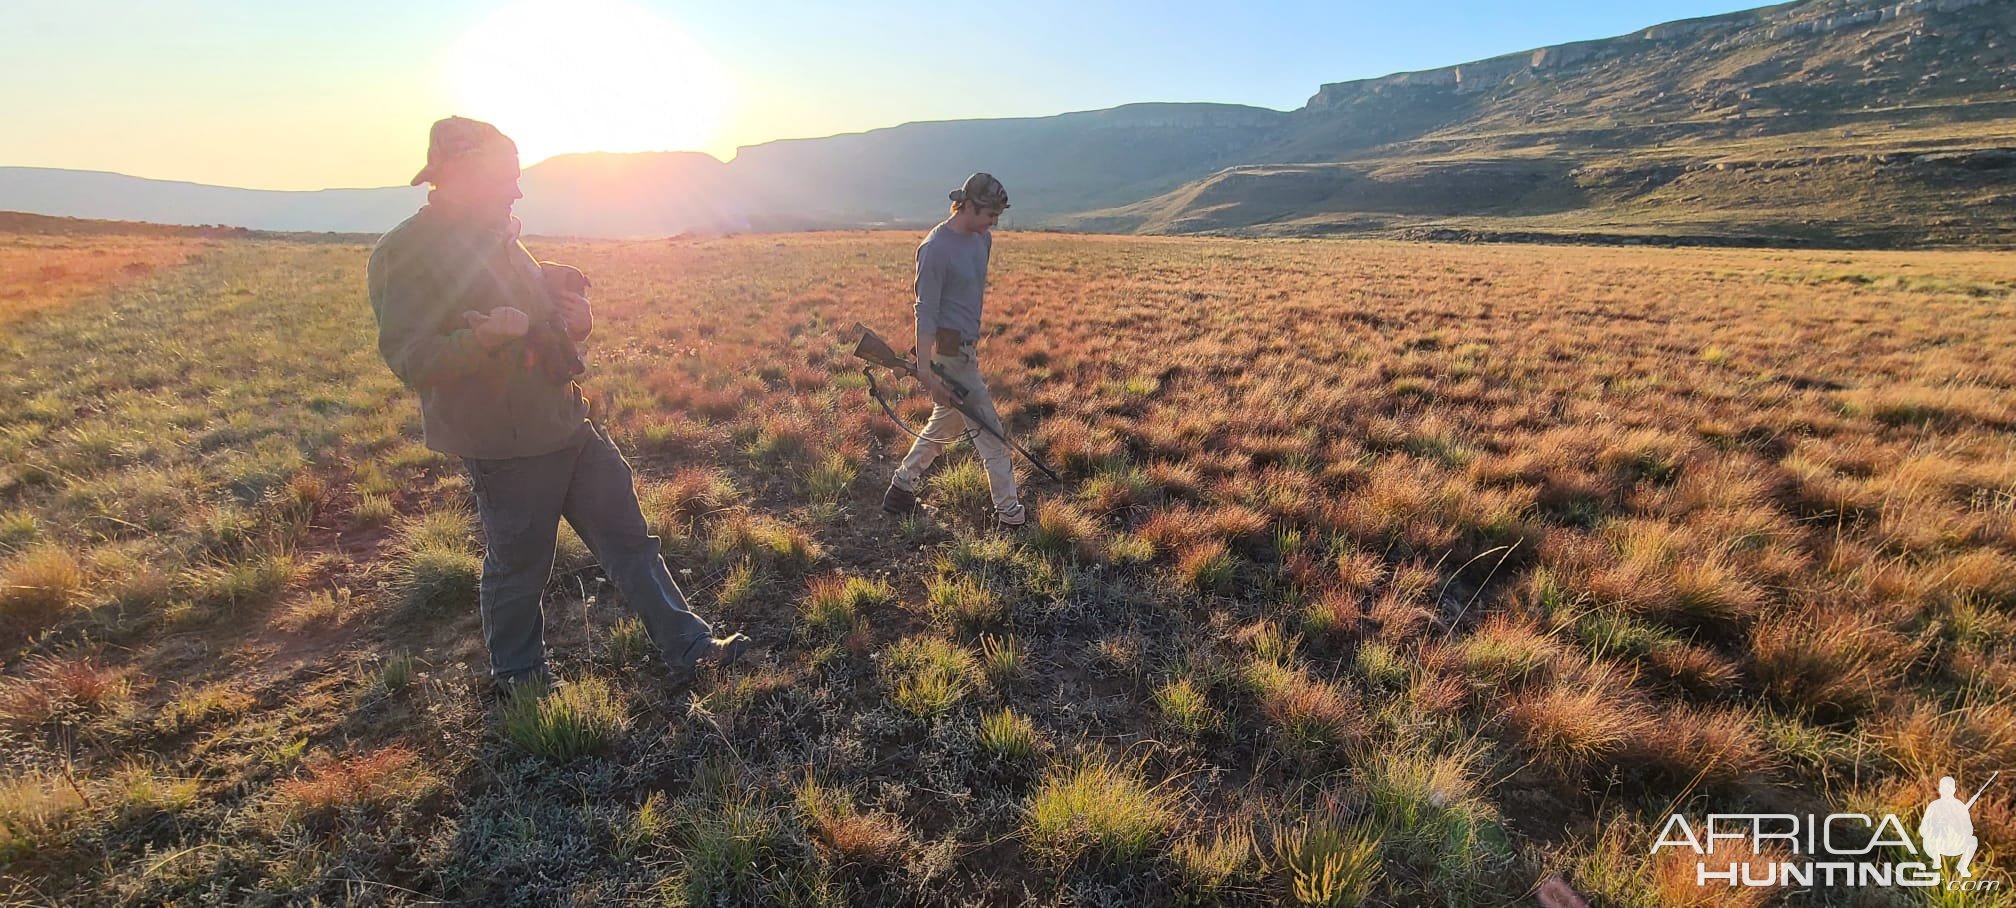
pixel 875 350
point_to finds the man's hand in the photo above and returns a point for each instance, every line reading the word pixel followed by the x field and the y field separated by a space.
pixel 575 312
pixel 503 325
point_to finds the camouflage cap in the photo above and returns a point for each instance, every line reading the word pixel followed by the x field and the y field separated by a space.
pixel 455 138
pixel 983 190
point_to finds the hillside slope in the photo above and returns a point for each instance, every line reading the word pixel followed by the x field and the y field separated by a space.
pixel 1831 121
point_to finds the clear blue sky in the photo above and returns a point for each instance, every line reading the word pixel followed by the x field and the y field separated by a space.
pixel 302 95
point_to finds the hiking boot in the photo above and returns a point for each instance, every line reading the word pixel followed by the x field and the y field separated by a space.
pixel 535 683
pixel 899 500
pixel 1015 517
pixel 718 651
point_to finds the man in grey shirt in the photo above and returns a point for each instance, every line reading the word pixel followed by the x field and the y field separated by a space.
pixel 951 283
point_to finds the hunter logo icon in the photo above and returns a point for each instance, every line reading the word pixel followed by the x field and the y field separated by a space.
pixel 1947 828
pixel 1838 849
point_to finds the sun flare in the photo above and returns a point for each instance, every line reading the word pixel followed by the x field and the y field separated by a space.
pixel 598 75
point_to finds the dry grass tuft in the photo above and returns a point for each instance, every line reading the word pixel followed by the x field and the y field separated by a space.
pixel 379 778
pixel 1009 735
pixel 850 834
pixel 1062 528
pixel 36 587
pixel 1830 662
pixel 1577 721
pixel 963 602
pixel 63 690
pixel 581 717
pixel 1326 862
pixel 691 493
pixel 833 604
pixel 36 811
pixel 1715 747
pixel 927 676
pixel 1507 650
pixel 1308 711
pixel 1097 810
pixel 1206 567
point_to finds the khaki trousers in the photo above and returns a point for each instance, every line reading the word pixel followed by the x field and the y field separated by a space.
pixel 947 423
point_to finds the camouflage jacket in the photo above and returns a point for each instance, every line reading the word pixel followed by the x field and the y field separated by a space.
pixel 477 403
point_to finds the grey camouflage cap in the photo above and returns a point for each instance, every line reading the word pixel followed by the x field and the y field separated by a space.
pixel 983 190
pixel 456 138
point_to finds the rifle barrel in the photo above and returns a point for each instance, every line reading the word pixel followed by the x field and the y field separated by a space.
pixel 1984 787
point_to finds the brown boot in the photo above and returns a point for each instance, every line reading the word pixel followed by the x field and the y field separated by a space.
pixel 899 500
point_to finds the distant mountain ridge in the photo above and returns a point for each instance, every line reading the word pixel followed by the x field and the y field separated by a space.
pixel 113 196
pixel 1821 121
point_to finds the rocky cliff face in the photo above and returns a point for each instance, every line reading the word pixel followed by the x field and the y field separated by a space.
pixel 1725 33
pixel 1831 121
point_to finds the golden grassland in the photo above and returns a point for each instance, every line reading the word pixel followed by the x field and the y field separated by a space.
pixel 1381 573
pixel 42 270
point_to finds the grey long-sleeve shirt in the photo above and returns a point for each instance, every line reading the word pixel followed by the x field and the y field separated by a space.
pixel 951 280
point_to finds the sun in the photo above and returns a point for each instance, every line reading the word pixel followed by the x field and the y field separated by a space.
pixel 586 75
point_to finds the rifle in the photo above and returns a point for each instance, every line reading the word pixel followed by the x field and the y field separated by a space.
pixel 877 352
pixel 1984 787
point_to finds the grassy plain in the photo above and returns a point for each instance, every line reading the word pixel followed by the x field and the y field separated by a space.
pixel 42 270
pixel 1402 574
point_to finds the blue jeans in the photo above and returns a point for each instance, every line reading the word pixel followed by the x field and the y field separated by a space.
pixel 521 501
